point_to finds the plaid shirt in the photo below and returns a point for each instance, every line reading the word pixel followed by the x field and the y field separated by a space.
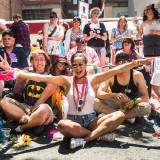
pixel 21 34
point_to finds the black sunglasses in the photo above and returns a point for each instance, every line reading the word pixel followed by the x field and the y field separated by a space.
pixel 74 65
pixel 128 42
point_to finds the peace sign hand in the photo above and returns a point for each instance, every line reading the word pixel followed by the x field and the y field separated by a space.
pixel 4 63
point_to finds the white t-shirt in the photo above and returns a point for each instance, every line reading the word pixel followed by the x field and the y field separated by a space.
pixel 155 79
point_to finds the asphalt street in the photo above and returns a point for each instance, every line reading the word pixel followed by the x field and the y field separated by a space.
pixel 133 142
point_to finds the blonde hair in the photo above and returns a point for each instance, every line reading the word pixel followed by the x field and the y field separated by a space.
pixel 124 19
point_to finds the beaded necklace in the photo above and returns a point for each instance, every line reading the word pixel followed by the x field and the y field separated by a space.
pixel 80 104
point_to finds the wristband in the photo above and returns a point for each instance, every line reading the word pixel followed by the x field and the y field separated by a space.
pixel 134 101
pixel 136 63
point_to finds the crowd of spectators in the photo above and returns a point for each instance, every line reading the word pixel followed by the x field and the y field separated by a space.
pixel 68 60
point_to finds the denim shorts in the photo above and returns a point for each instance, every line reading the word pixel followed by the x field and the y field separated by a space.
pixel 83 120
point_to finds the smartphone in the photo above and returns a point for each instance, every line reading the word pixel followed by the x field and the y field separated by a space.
pixel 5 74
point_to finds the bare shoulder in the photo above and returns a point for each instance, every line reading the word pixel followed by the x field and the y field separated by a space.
pixel 138 77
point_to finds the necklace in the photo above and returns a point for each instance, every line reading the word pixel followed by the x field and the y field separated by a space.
pixel 80 104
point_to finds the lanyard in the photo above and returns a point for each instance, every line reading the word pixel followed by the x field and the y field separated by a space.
pixel 78 93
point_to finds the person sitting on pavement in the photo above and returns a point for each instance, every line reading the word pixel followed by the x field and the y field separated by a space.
pixel 15 57
pixel 35 112
pixel 60 66
pixel 80 90
pixel 155 99
pixel 129 93
pixel 128 46
pixel 92 57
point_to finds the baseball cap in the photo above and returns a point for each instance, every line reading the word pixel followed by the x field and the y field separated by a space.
pixel 122 55
pixel 77 19
pixel 61 59
pixel 80 40
pixel 7 33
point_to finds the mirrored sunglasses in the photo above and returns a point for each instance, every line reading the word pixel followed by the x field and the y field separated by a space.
pixel 74 65
pixel 54 16
pixel 122 62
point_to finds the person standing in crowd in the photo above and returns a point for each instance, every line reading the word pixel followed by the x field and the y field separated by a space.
pixel 36 110
pixel 40 39
pixel 92 57
pixel 52 36
pixel 72 34
pixel 117 35
pixel 95 34
pixel 129 93
pixel 15 56
pixel 21 33
pixel 150 29
pixel 81 124
pixel 65 28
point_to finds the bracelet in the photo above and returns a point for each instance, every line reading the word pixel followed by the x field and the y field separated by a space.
pixel 136 63
pixel 134 101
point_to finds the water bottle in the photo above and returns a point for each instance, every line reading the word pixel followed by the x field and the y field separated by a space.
pixel 1 126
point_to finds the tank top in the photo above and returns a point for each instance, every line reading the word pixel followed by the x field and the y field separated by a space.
pixel 33 91
pixel 88 106
pixel 131 90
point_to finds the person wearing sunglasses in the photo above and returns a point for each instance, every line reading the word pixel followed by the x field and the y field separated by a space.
pixel 82 124
pixel 150 29
pixel 72 34
pixel 52 36
pixel 129 93
pixel 96 35
pixel 92 57
pixel 128 46
pixel 117 35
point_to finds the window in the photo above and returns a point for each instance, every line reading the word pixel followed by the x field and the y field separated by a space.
pixel 90 1
pixel 74 1
pixel 75 13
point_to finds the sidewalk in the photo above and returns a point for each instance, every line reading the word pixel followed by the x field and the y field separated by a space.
pixel 133 142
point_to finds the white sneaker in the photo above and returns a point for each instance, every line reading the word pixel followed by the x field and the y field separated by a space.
pixel 109 137
pixel 101 115
pixel 131 120
pixel 76 142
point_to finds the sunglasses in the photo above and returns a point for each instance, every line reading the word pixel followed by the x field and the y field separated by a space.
pixel 74 65
pixel 128 42
pixel 54 16
pixel 122 62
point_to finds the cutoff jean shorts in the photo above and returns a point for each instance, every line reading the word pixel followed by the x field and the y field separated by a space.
pixel 83 120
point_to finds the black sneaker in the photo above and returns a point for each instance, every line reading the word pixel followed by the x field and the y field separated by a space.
pixel 38 130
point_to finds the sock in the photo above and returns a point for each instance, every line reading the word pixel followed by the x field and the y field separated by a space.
pixel 18 129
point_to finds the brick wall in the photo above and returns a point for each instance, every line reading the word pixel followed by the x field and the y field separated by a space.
pixel 9 7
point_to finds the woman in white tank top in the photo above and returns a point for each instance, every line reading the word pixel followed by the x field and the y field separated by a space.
pixel 80 91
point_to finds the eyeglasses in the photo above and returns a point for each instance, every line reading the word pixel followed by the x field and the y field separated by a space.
pixel 128 42
pixel 39 60
pixel 54 16
pixel 122 62
pixel 74 65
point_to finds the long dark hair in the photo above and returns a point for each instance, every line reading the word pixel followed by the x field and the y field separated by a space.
pixel 155 12
pixel 54 65
pixel 129 40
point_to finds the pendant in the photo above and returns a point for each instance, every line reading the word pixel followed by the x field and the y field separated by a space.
pixel 80 102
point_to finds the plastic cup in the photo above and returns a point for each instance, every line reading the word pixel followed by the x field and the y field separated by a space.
pixel 6 134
